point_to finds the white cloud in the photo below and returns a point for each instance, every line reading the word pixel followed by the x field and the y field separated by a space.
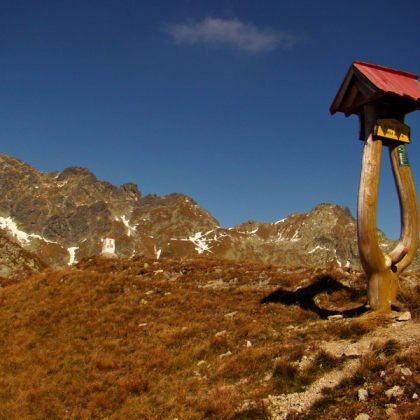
pixel 244 36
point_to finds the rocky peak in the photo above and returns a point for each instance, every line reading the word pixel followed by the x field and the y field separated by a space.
pixel 75 172
pixel 129 191
pixel 172 216
pixel 12 164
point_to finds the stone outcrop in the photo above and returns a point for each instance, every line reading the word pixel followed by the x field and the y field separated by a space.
pixel 16 262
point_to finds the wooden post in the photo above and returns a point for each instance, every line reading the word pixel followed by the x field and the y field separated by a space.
pixel 383 270
pixel 376 92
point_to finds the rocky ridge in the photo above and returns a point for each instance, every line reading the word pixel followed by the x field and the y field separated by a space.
pixel 64 216
pixel 15 261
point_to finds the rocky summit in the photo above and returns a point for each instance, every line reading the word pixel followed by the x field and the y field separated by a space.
pixel 64 216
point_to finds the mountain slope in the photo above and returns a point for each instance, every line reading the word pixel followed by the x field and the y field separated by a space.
pixel 201 338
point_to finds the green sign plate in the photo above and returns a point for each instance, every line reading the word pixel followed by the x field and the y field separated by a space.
pixel 402 156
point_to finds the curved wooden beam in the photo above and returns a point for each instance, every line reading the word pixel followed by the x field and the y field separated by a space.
pixel 409 239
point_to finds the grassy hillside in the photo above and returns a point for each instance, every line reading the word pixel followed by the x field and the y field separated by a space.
pixel 191 339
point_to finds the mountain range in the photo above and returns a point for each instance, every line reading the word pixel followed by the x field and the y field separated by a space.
pixel 61 217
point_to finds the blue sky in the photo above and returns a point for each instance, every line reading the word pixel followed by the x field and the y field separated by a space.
pixel 226 101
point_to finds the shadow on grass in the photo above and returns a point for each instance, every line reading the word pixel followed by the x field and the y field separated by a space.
pixel 304 297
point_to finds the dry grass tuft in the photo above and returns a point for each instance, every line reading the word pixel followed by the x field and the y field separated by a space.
pixel 358 327
pixel 389 348
pixel 409 297
pixel 287 378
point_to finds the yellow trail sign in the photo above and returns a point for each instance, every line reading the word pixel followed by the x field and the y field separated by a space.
pixel 392 129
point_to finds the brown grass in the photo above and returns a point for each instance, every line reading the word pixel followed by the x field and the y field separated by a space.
pixel 160 339
pixel 409 297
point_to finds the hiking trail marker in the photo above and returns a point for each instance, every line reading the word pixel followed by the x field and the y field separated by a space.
pixel 381 97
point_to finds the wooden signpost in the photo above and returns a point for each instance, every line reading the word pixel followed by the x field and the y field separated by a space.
pixel 381 97
pixel 392 129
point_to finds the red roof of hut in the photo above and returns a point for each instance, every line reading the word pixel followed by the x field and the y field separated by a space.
pixel 366 83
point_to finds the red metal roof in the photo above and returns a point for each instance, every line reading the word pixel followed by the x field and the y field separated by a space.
pixel 366 83
pixel 395 82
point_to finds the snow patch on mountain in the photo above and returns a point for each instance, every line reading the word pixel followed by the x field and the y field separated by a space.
pixel 130 229
pixel 318 247
pixel 295 237
pixel 24 238
pixel 200 242
pixel 280 221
